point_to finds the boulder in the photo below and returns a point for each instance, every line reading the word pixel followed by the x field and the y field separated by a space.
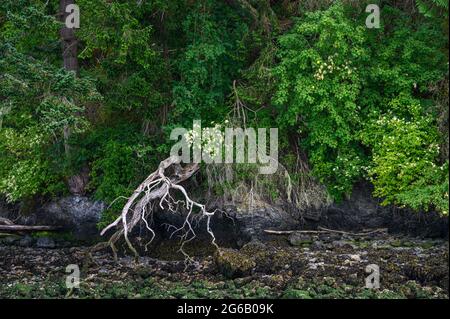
pixel 79 214
pixel 299 239
pixel 45 242
pixel 233 264
pixel 76 214
pixel 362 211
pixel 252 222
pixel 234 226
pixel 26 241
pixel 9 239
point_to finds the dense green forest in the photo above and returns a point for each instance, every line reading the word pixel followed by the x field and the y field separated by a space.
pixel 348 98
pixel 352 103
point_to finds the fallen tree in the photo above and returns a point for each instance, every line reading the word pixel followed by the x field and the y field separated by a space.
pixel 19 228
pixel 5 221
pixel 8 226
pixel 323 230
pixel 158 189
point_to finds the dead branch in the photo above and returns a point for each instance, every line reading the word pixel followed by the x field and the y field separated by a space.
pixel 5 221
pixel 364 233
pixel 18 228
pixel 157 188
pixel 323 230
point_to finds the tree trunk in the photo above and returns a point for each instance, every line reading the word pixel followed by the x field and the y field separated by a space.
pixel 69 40
pixel 70 56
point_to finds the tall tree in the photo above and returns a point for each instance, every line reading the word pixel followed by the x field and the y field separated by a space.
pixel 69 54
pixel 68 39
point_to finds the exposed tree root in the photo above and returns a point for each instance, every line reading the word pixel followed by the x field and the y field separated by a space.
pixel 159 188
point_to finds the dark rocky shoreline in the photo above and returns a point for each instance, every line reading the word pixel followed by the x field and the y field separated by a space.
pixel 412 256
pixel 321 266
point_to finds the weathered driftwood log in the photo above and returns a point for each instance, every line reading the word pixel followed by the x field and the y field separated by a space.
pixel 19 228
pixel 8 226
pixel 323 230
pixel 5 221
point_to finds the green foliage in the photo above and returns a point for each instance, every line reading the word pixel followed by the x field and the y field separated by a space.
pixel 31 27
pixel 335 76
pixel 36 95
pixel 350 102
pixel 24 170
pixel 405 169
pixel 317 94
pixel 117 47
pixel 433 8
pixel 119 158
pixel 208 64
pixel 145 287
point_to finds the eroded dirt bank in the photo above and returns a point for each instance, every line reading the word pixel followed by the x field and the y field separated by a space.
pixel 313 266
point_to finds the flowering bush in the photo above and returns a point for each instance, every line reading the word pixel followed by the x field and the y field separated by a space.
pixel 210 139
pixel 405 169
pixel 358 100
pixel 318 90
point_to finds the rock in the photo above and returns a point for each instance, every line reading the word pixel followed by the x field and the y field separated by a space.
pixel 144 272
pixel 26 241
pixel 329 281
pixel 315 266
pixel 341 244
pixel 77 183
pixel 233 264
pixel 251 223
pixel 76 214
pixel 9 239
pixel 4 211
pixel 238 225
pixel 362 211
pixel 79 214
pixel 255 245
pixel 239 282
pixel 45 242
pixel 64 244
pixel 317 244
pixel 300 239
pixel 355 257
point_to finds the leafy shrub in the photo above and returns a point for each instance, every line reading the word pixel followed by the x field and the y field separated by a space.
pixel 335 78
pixel 119 158
pixel 319 84
pixel 406 169
pixel 32 132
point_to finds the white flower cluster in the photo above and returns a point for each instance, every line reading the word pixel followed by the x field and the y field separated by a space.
pixel 193 134
pixel 211 138
pixel 330 66
pixel 344 162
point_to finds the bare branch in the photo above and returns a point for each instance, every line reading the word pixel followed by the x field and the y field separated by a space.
pixel 156 190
